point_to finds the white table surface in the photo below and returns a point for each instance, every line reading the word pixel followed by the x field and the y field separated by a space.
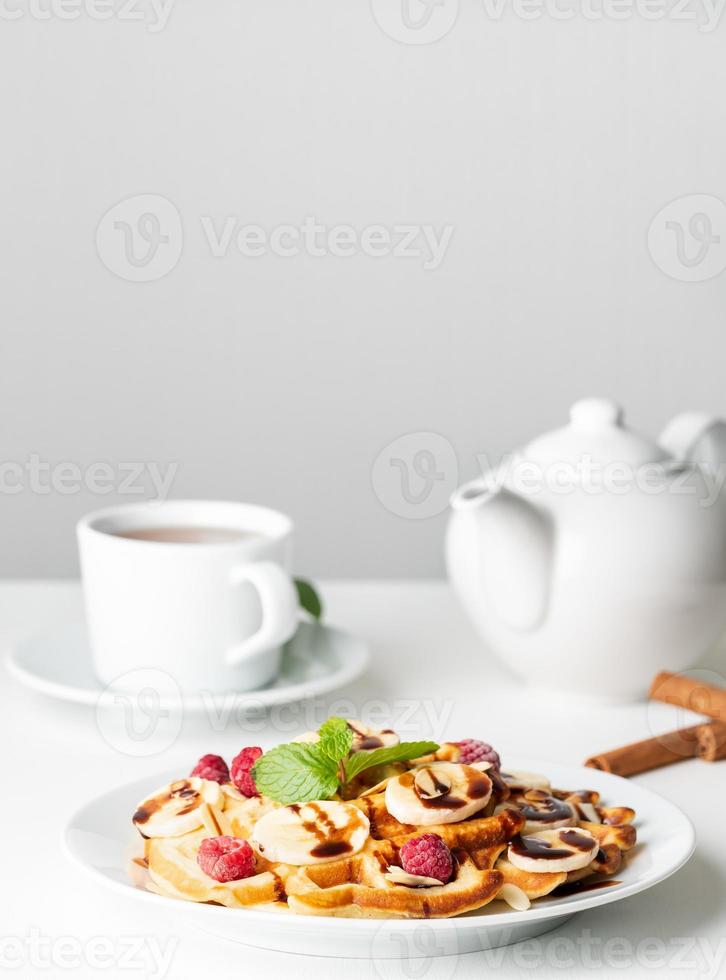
pixel 431 675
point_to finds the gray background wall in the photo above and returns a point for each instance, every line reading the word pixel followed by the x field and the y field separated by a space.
pixel 548 146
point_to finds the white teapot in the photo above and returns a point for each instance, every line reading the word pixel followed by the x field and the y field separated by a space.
pixel 594 557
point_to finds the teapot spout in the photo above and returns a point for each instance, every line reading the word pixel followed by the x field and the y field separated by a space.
pixel 507 544
pixel 695 438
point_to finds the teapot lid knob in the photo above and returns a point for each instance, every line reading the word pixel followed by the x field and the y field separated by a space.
pixel 592 413
pixel 597 433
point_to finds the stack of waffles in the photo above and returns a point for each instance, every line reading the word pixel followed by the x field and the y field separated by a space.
pixel 375 849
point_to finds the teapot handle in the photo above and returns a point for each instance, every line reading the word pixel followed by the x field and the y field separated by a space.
pixel 695 437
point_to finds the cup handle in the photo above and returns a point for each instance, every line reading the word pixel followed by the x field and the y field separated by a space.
pixel 279 602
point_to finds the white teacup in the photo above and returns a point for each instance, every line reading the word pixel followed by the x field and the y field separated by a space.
pixel 198 589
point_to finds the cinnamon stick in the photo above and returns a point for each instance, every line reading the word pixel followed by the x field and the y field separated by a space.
pixel 652 753
pixel 707 741
pixel 690 693
pixel 712 741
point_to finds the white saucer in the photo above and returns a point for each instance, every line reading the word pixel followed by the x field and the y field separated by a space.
pixel 100 839
pixel 318 659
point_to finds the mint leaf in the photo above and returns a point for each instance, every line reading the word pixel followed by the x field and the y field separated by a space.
pixel 308 598
pixel 336 738
pixel 381 757
pixel 296 773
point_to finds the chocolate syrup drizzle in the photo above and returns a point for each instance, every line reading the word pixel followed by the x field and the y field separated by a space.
pixel 478 785
pixel 331 839
pixel 182 789
pixel 364 742
pixel 535 847
pixel 540 807
pixel 585 885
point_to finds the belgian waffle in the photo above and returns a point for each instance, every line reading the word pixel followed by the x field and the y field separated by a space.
pixel 517 847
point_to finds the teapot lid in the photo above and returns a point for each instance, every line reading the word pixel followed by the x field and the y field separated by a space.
pixel 596 432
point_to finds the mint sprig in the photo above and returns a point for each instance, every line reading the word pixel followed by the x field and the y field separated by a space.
pixel 402 752
pixel 302 771
pixel 308 598
pixel 296 773
pixel 336 738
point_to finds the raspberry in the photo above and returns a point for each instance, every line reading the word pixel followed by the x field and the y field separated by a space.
pixel 472 750
pixel 226 858
pixel 241 766
pixel 427 855
pixel 211 767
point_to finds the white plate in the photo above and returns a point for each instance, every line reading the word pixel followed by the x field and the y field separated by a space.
pixel 318 659
pixel 100 839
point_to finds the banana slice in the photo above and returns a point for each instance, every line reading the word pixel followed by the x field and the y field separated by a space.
pixel 566 849
pixel 542 811
pixel 520 781
pixel 364 737
pixel 311 833
pixel 438 792
pixel 176 809
pixel 307 737
pixel 585 811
